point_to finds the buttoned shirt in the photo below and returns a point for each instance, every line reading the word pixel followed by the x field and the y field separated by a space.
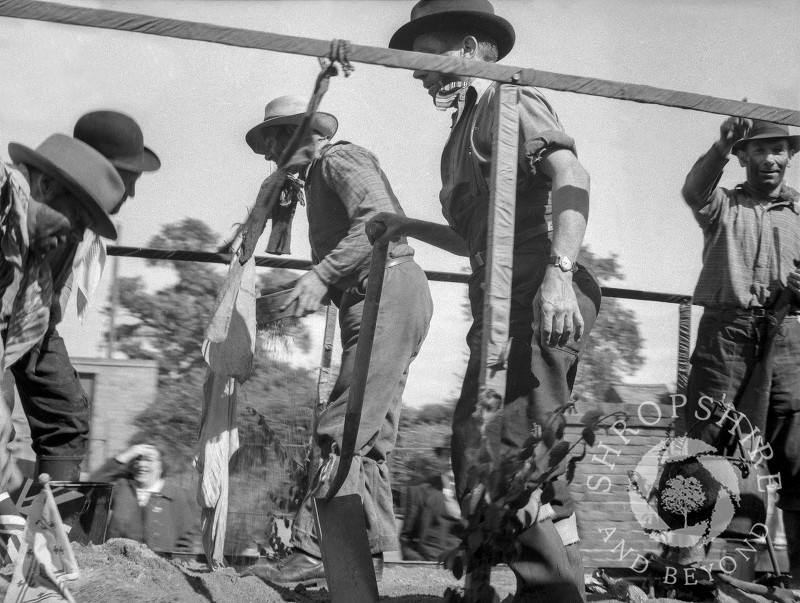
pixel 466 163
pixel 345 187
pixel 751 241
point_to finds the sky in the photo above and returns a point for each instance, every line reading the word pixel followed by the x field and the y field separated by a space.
pixel 195 101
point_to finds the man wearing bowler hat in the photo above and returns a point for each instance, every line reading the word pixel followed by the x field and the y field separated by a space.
pixel 47 200
pixel 751 253
pixel 119 138
pixel 554 299
pixel 345 187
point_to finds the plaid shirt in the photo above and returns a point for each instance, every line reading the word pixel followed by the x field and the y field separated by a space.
pixel 744 261
pixel 345 187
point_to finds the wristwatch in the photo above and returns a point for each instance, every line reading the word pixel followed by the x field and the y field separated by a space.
pixel 563 262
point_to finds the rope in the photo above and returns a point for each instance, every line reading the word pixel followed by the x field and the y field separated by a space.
pixel 299 151
pixel 175 255
pixel 684 335
pixel 398 59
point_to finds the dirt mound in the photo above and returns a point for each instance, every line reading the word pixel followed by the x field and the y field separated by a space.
pixel 126 571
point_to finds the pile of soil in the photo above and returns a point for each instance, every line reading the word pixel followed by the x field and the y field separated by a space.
pixel 126 571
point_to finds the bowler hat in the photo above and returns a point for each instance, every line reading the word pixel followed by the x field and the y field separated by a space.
pixel 288 111
pixel 82 170
pixel 119 138
pixel 437 15
pixel 766 129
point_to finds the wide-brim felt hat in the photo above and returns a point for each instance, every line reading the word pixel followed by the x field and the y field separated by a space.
pixel 119 139
pixel 767 130
pixel 289 111
pixel 88 175
pixel 437 15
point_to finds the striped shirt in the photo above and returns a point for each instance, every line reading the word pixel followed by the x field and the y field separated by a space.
pixel 751 242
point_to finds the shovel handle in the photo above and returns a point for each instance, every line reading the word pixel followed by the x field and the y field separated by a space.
pixel 358 384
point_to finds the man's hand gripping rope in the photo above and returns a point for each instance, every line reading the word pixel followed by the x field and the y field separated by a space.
pixel 299 151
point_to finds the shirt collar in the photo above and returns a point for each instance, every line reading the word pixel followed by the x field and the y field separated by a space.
pixel 479 86
pixel 321 145
pixel 787 196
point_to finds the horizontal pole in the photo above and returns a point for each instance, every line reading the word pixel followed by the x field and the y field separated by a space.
pixel 398 59
pixel 212 257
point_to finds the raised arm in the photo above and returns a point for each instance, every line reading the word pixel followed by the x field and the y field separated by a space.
pixel 700 190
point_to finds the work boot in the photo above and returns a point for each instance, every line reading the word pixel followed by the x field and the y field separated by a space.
pixel 302 568
pixel 297 568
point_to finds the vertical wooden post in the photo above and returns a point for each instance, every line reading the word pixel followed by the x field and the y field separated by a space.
pixel 497 283
pixel 500 244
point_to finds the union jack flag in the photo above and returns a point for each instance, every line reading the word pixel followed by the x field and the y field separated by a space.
pixel 45 561
pixel 24 497
pixel 16 507
pixel 12 524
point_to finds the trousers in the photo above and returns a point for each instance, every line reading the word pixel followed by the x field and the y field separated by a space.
pixel 54 401
pixel 539 380
pixel 727 349
pixel 403 320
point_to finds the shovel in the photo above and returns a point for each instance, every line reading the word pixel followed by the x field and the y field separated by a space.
pixel 268 308
pixel 340 521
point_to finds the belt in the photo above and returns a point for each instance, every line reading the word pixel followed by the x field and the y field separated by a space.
pixel 397 261
pixel 478 260
pixel 753 312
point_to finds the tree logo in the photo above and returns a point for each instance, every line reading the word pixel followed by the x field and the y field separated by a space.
pixel 682 493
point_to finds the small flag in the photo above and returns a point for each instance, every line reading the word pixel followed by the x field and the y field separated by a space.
pixel 45 561
pixel 12 525
pixel 30 489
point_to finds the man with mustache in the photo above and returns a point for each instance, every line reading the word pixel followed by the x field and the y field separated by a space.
pixel 750 254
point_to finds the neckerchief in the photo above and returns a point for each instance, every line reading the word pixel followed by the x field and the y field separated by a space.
pixel 448 96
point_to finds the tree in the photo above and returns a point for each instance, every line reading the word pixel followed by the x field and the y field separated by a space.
pixel 614 347
pixel 169 325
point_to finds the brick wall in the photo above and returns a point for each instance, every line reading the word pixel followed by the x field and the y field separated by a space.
pixel 118 390
pixel 610 534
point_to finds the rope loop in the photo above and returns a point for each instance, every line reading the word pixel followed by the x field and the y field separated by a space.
pixel 339 50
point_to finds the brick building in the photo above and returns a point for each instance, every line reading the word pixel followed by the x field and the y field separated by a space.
pixel 118 390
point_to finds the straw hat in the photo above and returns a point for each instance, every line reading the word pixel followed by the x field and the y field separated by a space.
pixel 289 111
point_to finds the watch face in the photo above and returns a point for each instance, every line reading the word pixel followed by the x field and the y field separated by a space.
pixel 565 264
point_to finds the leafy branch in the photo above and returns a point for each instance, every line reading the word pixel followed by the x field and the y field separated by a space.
pixel 492 526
